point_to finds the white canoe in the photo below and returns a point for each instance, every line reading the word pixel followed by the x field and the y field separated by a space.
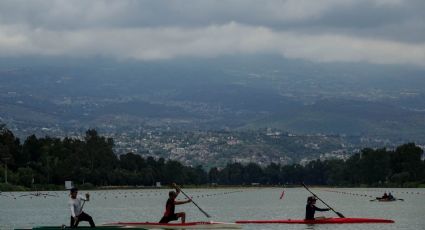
pixel 187 225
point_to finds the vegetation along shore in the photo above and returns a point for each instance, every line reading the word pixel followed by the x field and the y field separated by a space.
pixel 45 163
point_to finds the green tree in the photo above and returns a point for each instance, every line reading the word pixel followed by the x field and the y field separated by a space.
pixel 352 170
pixel 335 172
pixel 253 173
pixel 235 173
pixel 132 162
pixel 292 174
pixel 272 173
pixel 99 155
pixel 25 177
pixel 407 160
pixel 213 175
pixel 314 172
pixel 10 147
pixel 174 171
pixel 374 166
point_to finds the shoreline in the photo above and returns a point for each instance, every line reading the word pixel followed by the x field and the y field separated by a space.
pixel 18 188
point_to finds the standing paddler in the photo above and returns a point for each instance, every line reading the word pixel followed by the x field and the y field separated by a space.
pixel 76 203
pixel 169 214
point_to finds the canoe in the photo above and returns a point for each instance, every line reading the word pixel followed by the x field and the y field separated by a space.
pixel 318 221
pixel 386 200
pixel 187 225
pixel 119 227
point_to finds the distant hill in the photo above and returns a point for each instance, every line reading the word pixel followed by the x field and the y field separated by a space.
pixel 352 117
pixel 231 92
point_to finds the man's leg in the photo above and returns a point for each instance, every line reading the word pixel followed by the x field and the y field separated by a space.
pixel 182 215
pixel 71 223
pixel 164 220
pixel 74 223
pixel 85 217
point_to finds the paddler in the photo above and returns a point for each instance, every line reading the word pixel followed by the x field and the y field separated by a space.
pixel 76 203
pixel 385 196
pixel 169 214
pixel 311 208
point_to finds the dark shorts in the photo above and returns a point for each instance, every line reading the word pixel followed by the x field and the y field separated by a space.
pixel 82 217
pixel 166 219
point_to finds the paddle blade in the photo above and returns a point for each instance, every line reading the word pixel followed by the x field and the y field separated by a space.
pixel 282 195
pixel 206 214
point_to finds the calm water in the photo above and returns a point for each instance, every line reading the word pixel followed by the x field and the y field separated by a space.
pixel 222 204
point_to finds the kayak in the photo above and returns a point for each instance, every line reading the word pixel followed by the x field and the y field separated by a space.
pixel 120 227
pixel 386 199
pixel 187 225
pixel 318 221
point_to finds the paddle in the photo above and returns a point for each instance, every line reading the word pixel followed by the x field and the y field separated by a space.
pixel 338 213
pixel 283 193
pixel 82 206
pixel 200 209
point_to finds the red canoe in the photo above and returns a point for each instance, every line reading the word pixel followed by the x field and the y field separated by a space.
pixel 318 221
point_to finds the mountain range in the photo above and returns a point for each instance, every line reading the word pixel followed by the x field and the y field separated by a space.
pixel 216 93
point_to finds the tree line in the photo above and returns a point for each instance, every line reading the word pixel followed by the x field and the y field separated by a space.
pixel 91 160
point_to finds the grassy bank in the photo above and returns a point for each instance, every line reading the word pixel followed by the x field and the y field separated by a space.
pixel 12 188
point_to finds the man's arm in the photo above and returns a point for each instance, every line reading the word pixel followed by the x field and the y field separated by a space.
pixel 177 193
pixel 321 209
pixel 182 202
pixel 73 211
pixel 84 198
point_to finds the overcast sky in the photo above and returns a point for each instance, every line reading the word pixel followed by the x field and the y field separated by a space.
pixel 373 31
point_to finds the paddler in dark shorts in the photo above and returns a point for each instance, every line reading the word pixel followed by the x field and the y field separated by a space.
pixel 169 214
pixel 76 203
pixel 311 208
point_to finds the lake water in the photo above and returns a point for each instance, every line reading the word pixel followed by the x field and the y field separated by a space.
pixel 17 209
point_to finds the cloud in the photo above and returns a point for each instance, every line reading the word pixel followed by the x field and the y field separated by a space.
pixel 211 41
pixel 130 13
pixel 375 31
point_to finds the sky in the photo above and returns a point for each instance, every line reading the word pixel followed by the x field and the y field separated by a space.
pixel 332 31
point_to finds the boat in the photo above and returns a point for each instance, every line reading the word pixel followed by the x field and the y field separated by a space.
pixel 386 200
pixel 187 225
pixel 318 221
